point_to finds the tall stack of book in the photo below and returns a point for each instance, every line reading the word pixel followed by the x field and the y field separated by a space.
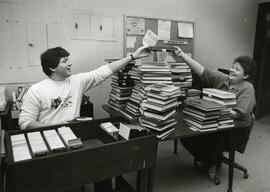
pixel 122 85
pixel 181 77
pixel 224 98
pixel 181 74
pixel 159 108
pixel 133 104
pixel 202 115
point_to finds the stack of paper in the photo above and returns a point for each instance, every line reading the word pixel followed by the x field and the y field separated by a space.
pixel 20 148
pixel 37 143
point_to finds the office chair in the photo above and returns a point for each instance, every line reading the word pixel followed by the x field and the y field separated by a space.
pixel 241 146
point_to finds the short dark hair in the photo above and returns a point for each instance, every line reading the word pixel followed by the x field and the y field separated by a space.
pixel 249 66
pixel 51 58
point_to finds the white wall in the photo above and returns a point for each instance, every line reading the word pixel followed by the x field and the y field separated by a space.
pixel 224 30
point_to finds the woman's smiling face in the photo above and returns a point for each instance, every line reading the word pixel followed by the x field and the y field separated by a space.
pixel 236 74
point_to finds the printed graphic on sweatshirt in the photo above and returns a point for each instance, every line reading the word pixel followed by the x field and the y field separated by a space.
pixel 66 102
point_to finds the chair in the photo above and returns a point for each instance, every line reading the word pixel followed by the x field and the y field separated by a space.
pixel 241 146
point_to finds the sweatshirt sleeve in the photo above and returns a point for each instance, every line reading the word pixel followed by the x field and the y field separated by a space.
pixel 95 77
pixel 29 109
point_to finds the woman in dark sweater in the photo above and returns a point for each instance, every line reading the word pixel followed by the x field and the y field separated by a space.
pixel 208 148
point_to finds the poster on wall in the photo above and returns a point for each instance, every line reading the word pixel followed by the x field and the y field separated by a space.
pixel 185 30
pixel 164 29
pixel 135 26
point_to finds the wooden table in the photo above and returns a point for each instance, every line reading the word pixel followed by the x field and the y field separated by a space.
pixel 101 157
pixel 182 131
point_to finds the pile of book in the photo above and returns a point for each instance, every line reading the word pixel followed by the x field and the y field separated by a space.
pixel 227 99
pixel 122 85
pixel 155 72
pixel 193 94
pixel 133 104
pixel 181 77
pixel 158 110
pixel 181 74
pixel 202 115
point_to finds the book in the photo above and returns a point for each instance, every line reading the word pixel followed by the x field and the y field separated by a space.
pixel 159 128
pixel 219 93
pixel 162 88
pixel 230 102
pixel 163 116
pixel 204 104
pixel 200 126
pixel 164 134
pixel 158 107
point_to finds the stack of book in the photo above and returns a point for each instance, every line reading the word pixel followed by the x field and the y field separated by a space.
pixel 193 94
pixel 202 115
pixel 155 72
pixel 122 85
pixel 159 108
pixel 224 98
pixel 133 104
pixel 181 74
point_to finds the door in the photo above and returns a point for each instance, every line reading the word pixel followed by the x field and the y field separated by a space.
pixel 262 58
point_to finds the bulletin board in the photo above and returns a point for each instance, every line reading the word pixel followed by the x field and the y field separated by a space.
pixel 171 33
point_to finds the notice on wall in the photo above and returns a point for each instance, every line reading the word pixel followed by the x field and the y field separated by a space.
pixel 185 30
pixel 135 26
pixel 164 29
pixel 131 41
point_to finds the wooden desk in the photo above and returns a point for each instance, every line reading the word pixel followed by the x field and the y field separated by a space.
pixel 94 162
pixel 182 131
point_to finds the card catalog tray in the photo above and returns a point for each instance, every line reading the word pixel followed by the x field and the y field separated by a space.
pixel 100 157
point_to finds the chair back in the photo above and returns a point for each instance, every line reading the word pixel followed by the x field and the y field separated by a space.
pixel 246 133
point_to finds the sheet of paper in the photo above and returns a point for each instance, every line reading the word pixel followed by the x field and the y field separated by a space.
pixel 150 38
pixel 131 42
pixel 185 30
pixel 135 26
pixel 164 29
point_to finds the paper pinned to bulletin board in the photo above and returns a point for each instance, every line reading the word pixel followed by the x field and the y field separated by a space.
pixel 185 30
pixel 170 33
pixel 135 26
